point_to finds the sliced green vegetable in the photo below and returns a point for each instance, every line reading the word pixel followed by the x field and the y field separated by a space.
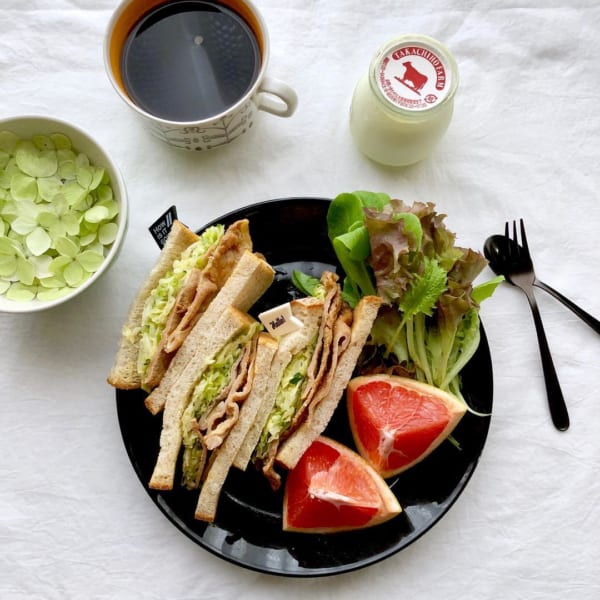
pixel 24 225
pixel 73 274
pixel 96 214
pixel 57 216
pixel 60 141
pixel 8 141
pixel 20 293
pixel 34 162
pixel 38 241
pixel 67 170
pixel 66 247
pixel 311 286
pixel 23 187
pixel 25 271
pixel 48 187
pixel 107 233
pixel 8 266
pixel 90 260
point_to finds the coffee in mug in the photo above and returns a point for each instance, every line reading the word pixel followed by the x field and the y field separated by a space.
pixel 194 69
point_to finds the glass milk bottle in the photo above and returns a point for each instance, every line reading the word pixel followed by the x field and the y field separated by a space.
pixel 403 105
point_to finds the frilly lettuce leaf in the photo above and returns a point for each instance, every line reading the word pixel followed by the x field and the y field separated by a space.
pixel 407 255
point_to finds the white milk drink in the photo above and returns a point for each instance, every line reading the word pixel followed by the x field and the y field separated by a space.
pixel 403 105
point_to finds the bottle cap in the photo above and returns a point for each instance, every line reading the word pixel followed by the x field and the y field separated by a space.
pixel 414 73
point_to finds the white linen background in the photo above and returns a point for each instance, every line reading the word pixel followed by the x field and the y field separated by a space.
pixel 524 142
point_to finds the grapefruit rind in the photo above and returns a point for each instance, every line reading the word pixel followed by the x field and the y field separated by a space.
pixel 375 457
pixel 372 508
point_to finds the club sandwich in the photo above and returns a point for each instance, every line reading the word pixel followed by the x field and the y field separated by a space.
pixel 189 272
pixel 307 378
pixel 203 402
pixel 224 454
pixel 250 279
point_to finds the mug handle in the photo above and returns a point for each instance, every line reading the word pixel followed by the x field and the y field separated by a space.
pixel 276 97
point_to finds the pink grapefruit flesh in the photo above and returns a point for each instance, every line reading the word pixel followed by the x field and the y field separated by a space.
pixel 396 422
pixel 333 489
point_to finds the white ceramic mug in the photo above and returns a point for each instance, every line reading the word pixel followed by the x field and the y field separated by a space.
pixel 207 132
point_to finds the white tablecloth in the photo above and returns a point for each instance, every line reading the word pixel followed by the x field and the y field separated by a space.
pixel 524 142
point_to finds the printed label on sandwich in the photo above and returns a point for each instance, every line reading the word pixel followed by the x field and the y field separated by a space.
pixel 280 321
pixel 162 226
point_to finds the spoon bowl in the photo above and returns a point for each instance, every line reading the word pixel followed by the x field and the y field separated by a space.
pixel 495 249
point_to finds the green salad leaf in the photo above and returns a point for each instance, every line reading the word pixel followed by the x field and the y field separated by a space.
pixel 350 239
pixel 428 327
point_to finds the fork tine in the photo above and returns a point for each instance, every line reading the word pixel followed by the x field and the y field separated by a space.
pixel 516 239
pixel 509 247
pixel 524 238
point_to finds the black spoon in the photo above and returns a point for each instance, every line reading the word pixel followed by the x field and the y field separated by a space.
pixel 495 250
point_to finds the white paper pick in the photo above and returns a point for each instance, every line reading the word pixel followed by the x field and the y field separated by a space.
pixel 280 321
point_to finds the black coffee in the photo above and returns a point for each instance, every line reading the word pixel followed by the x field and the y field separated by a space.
pixel 188 60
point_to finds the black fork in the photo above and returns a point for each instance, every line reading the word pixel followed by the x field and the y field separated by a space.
pixel 522 275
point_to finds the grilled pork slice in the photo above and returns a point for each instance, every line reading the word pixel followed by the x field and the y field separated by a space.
pixel 224 454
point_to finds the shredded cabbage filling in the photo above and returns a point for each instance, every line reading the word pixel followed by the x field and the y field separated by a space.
pixel 162 298
pixel 287 399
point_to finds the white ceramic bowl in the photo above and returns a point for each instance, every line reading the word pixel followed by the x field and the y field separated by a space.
pixel 28 126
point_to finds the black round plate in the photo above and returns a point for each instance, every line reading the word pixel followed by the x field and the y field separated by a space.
pixel 292 233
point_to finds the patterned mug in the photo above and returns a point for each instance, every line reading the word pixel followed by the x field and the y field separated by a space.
pixel 194 70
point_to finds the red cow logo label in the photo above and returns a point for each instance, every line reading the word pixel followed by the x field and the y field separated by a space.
pixel 412 79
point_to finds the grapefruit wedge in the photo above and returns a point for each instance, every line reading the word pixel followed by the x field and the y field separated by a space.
pixel 334 489
pixel 396 422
